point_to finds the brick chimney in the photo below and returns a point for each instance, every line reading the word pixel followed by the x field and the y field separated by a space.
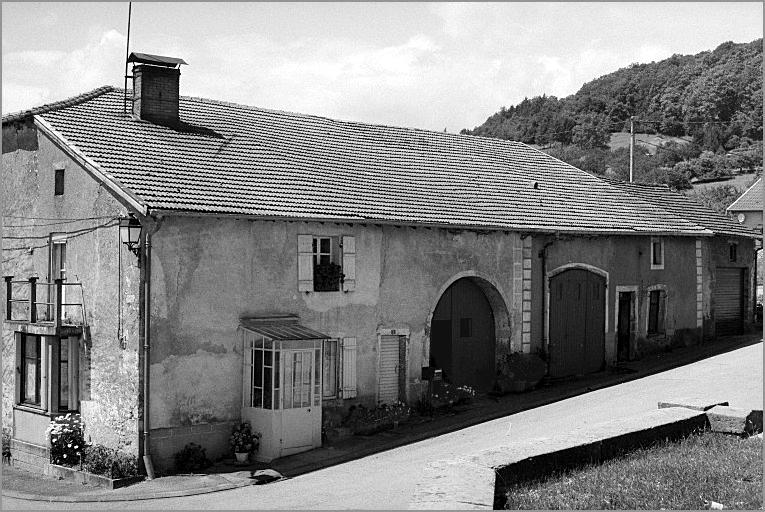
pixel 156 88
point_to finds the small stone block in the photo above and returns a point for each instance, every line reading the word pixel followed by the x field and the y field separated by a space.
pixel 697 404
pixel 733 420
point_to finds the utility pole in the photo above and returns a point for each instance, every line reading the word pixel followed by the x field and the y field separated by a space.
pixel 632 144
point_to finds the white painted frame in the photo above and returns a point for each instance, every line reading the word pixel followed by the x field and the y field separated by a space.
pixel 571 266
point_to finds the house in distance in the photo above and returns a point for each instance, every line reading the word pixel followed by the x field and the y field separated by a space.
pixel 176 264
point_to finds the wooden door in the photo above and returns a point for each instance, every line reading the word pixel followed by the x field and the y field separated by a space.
pixel 624 326
pixel 577 323
pixel 441 346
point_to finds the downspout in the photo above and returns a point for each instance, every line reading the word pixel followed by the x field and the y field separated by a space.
pixel 754 302
pixel 146 254
pixel 149 227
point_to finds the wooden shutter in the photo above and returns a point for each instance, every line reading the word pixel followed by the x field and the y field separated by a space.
pixel 349 368
pixel 305 263
pixel 349 263
pixel 388 371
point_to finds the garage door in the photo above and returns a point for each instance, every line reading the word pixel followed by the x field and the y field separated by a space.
pixel 577 323
pixel 729 301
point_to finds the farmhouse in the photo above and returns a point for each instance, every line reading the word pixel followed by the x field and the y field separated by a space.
pixel 176 264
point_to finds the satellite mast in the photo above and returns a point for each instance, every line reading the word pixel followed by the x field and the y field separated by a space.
pixel 127 49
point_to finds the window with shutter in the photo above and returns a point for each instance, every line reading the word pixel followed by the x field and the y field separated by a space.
pixel 326 263
pixel 349 368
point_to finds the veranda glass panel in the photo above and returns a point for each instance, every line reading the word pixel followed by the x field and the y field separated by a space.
pixel 63 374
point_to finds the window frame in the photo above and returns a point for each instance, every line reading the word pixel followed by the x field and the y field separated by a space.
pixel 654 242
pixel 59 178
pixel 25 343
pixel 48 374
pixel 732 252
pixel 330 378
pixel 334 255
pixel 660 328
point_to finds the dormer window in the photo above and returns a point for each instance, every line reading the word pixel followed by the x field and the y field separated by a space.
pixel 58 188
pixel 657 253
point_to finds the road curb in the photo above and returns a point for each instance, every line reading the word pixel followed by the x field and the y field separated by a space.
pixel 127 497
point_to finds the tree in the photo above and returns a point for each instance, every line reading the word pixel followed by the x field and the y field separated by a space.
pixel 592 132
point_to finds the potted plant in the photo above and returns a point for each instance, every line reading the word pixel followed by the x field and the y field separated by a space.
pixel 243 441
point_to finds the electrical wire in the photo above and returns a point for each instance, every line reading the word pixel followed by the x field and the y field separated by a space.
pixel 59 218
pixel 70 235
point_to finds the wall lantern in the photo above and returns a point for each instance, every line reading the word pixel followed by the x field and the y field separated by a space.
pixel 130 233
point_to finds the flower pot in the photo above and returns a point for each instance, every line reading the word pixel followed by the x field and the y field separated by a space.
pixel 241 457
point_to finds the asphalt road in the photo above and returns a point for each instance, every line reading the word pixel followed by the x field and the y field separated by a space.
pixel 387 480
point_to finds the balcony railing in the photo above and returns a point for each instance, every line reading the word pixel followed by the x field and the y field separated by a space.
pixel 40 302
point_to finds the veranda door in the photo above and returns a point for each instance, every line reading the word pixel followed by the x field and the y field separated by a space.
pixel 302 395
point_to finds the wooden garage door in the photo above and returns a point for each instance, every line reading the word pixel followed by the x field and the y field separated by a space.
pixel 577 323
pixel 729 301
pixel 389 364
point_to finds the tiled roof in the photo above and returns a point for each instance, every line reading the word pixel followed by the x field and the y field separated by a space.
pixel 235 159
pixel 69 102
pixel 685 207
pixel 749 200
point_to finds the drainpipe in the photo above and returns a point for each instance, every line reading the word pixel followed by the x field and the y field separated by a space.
pixel 754 305
pixel 146 352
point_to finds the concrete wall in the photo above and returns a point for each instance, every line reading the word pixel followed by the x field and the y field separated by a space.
pixel 626 260
pixel 716 254
pixel 108 372
pixel 208 272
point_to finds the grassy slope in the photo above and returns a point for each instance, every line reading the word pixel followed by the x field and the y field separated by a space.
pixel 712 467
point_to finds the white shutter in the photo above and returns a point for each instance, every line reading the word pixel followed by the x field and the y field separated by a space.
pixel 349 368
pixel 349 263
pixel 305 263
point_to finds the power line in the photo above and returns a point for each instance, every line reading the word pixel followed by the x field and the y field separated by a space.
pixel 70 234
pixel 59 218
pixel 44 224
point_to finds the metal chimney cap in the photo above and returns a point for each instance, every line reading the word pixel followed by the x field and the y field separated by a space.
pixel 155 60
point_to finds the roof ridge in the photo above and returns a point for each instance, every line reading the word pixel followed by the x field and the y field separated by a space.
pixel 48 107
pixel 346 121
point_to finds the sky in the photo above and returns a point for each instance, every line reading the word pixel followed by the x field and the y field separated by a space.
pixel 438 66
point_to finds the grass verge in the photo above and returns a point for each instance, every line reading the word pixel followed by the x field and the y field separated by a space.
pixel 669 475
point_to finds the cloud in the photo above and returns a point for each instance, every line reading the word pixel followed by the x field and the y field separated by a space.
pixel 31 78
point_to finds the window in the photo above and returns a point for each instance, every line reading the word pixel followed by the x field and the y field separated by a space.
pixel 657 254
pixel 60 369
pixel 30 369
pixel 466 327
pixel 327 268
pixel 329 369
pixel 59 183
pixel 732 251
pixel 326 263
pixel 656 311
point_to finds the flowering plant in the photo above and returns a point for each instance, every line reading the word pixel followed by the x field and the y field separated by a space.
pixel 67 439
pixel 243 440
pixel 455 395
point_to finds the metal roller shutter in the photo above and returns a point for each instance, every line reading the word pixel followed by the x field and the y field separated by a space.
pixel 388 376
pixel 729 301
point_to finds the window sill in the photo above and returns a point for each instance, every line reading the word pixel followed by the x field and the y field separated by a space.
pixel 41 412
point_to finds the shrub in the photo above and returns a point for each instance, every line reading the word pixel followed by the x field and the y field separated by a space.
pixel 100 460
pixel 192 458
pixel 66 439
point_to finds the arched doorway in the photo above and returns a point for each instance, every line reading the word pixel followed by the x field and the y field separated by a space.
pixel 463 332
pixel 577 322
